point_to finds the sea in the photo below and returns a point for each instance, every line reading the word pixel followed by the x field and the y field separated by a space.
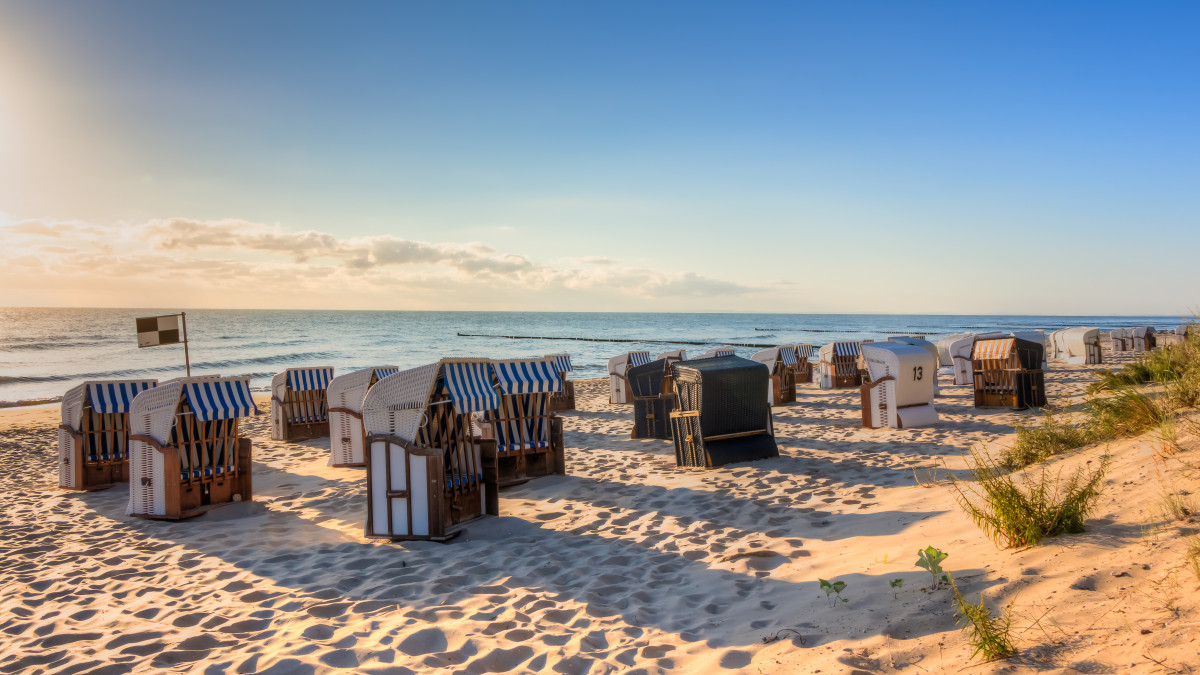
pixel 46 351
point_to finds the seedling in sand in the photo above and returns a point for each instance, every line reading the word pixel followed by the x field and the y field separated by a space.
pixel 833 591
pixel 931 559
pixel 896 585
pixel 989 635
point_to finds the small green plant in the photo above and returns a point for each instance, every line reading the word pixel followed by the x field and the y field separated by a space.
pixel 989 635
pixel 833 591
pixel 1045 505
pixel 931 559
pixel 1038 443
pixel 896 585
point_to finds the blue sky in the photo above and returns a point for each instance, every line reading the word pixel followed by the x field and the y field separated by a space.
pixel 751 156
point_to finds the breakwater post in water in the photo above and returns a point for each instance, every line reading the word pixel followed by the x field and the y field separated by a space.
pixel 661 342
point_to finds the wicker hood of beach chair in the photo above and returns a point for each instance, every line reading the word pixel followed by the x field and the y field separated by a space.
pixel 781 362
pixel 653 400
pixel 1008 373
pixel 344 395
pixel 618 371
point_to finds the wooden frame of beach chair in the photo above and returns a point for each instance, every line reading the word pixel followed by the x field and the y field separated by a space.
pixel 720 414
pixel 653 399
pixel 527 435
pixel 838 367
pixel 1008 373
pixel 564 399
pixel 1080 345
pixel 618 368
pixel 901 389
pixel 93 438
pixel 186 454
pixel 781 362
pixel 803 370
pixel 426 478
pixel 299 404
pixel 345 394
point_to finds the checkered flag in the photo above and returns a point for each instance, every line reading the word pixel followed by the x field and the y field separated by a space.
pixel 153 331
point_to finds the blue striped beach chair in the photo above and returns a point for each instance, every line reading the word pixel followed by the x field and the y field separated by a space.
pixel 186 452
pixel 425 473
pixel 93 437
pixel 299 405
pixel 564 399
pixel 618 375
pixel 528 436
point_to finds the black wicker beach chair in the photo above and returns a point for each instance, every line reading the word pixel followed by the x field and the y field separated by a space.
pixel 722 414
pixel 653 400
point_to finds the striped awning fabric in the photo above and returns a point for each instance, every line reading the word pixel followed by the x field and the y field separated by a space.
pixel 992 349
pixel 383 372
pixel 115 397
pixel 787 355
pixel 562 362
pixel 223 399
pixel 534 376
pixel 804 351
pixel 470 385
pixel 309 379
pixel 639 359
pixel 845 349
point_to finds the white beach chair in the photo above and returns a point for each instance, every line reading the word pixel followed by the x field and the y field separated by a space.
pixel 186 454
pixel 1081 345
pixel 345 395
pixel 945 358
pixel 900 393
pixel 618 367
pixel 93 438
pixel 781 361
pixel 715 353
pixel 673 356
pixel 1142 339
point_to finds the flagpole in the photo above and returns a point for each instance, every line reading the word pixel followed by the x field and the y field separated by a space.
pixel 186 359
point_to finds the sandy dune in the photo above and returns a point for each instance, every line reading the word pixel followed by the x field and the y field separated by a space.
pixel 627 563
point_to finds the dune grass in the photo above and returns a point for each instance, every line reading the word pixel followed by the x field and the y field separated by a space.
pixel 989 635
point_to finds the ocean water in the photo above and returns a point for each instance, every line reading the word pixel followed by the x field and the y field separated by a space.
pixel 44 352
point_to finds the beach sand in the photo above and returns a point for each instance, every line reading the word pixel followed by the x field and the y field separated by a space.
pixel 626 564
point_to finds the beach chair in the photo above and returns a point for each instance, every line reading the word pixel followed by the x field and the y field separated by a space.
pixel 1080 345
pixel 186 453
pixel 425 472
pixel 803 370
pixel 781 362
pixel 929 347
pixel 714 353
pixel 299 406
pixel 564 398
pixel 1038 336
pixel 945 355
pixel 960 353
pixel 901 389
pixel 1121 338
pixel 345 395
pixel 618 369
pixel 93 438
pixel 1142 339
pixel 838 365
pixel 1056 344
pixel 721 416
pixel 528 435
pixel 653 399
pixel 1008 373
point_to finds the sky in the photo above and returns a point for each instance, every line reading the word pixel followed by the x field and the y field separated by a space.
pixel 916 157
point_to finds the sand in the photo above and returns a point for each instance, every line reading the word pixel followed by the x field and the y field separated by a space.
pixel 625 564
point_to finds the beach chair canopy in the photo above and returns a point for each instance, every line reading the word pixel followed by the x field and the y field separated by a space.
pixel 562 362
pixel 621 363
pixel 1142 331
pixel 776 357
pixel 347 391
pixel 527 376
pixel 1031 335
pixel 945 355
pixel 928 346
pixel 912 366
pixel 1028 354
pixel 308 379
pixel 803 352
pixel 673 355
pixel 397 403
pixel 1075 341
pixel 841 350
pixel 210 398
pixel 646 381
pixel 114 396
pixel 715 353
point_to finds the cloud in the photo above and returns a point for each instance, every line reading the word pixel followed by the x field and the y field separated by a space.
pixel 231 254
